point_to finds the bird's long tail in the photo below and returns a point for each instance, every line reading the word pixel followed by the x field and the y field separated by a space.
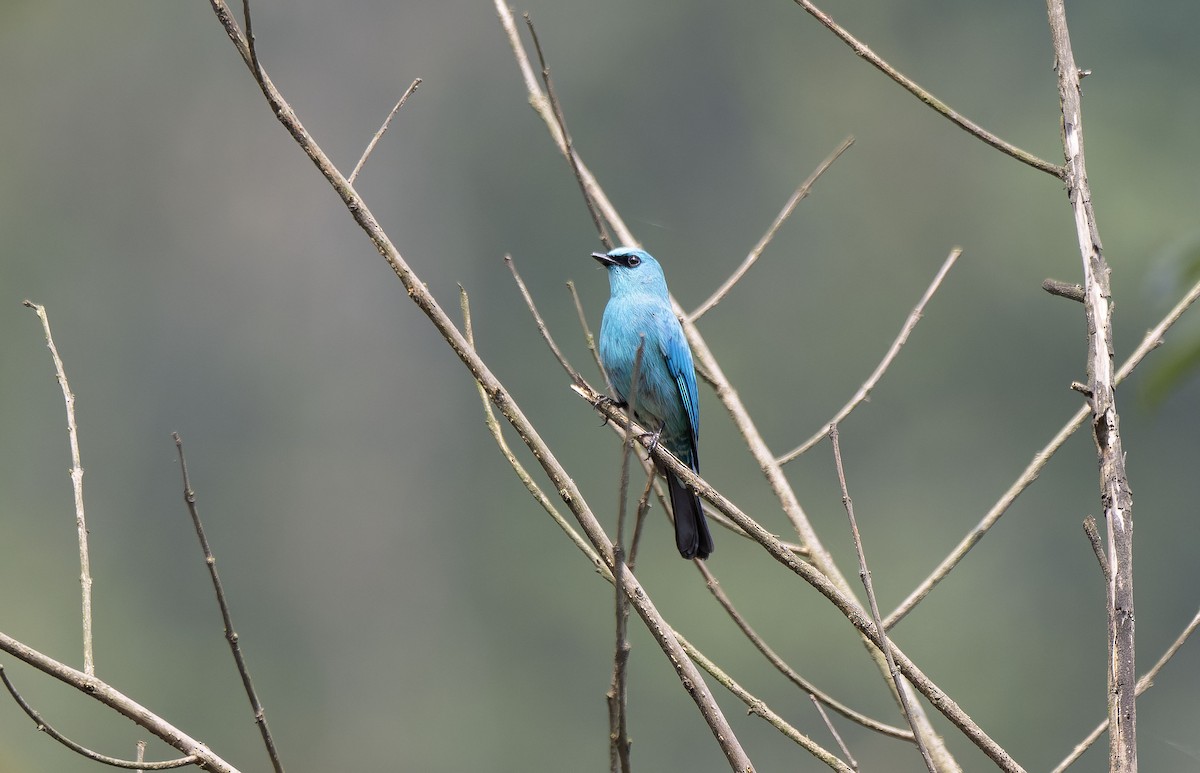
pixel 691 529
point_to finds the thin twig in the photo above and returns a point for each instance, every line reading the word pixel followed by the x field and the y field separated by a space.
pixel 925 96
pixel 260 714
pixel 1093 535
pixel 800 193
pixel 833 731
pixel 85 566
pixel 759 707
pixel 1143 684
pixel 865 574
pixel 864 391
pixel 587 334
pixel 116 762
pixel 790 673
pixel 561 120
pixel 618 730
pixel 541 323
pixel 109 696
pixel 1152 340
pixel 379 134
pixel 493 425
pixel 141 756
pixel 1115 495
pixel 643 507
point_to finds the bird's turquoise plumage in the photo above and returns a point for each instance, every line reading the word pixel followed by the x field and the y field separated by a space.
pixel 666 399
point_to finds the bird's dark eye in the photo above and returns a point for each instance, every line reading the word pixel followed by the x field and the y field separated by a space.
pixel 633 261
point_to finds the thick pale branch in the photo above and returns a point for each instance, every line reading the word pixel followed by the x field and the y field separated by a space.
pixel 1115 495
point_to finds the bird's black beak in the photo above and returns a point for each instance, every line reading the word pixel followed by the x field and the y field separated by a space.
pixel 604 259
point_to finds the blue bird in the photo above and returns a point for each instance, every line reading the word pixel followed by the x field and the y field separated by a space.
pixel 639 305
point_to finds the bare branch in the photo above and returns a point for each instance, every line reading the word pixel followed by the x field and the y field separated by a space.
pixel 618 733
pixel 587 334
pixel 1069 290
pixel 929 99
pixel 1152 340
pixel 790 673
pixel 865 574
pixel 760 707
pixel 833 731
pixel 85 566
pixel 522 474
pixel 1115 497
pixel 260 714
pixel 569 147
pixel 864 391
pixel 1093 535
pixel 379 134
pixel 1143 684
pixel 846 604
pixel 109 696
pixel 44 726
pixel 783 215
pixel 541 323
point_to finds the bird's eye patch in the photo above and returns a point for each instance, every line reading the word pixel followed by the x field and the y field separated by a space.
pixel 633 260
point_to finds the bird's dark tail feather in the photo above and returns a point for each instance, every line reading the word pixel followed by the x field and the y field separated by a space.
pixel 691 529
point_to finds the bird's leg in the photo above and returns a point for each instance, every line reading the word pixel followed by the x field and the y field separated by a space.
pixel 652 439
pixel 606 400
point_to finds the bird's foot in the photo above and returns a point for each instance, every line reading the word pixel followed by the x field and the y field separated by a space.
pixel 606 400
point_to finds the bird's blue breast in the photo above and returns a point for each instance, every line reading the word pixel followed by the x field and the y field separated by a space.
pixel 666 393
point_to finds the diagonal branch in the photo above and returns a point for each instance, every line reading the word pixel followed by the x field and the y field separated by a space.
pixel 937 105
pixel 783 215
pixel 239 659
pixel 1143 684
pixel 865 574
pixel 114 699
pixel 685 670
pixel 864 391
pixel 846 604
pixel 1152 340
pixel 379 134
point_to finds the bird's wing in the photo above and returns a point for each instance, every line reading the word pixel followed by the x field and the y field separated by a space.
pixel 679 363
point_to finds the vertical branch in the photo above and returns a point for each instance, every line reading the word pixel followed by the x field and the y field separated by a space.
pixel 1115 495
pixel 85 567
pixel 618 733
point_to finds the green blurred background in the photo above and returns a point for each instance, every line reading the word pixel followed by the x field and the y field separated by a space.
pixel 403 604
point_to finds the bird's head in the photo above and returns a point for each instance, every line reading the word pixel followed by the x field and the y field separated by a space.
pixel 631 269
